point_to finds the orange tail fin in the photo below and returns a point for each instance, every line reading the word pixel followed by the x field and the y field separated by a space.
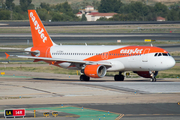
pixel 40 36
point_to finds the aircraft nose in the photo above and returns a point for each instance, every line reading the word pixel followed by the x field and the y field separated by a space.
pixel 171 62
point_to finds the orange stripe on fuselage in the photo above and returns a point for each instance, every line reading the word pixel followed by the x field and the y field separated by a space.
pixel 44 51
pixel 125 52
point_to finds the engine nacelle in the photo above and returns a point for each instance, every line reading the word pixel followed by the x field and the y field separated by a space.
pixel 95 71
pixel 146 74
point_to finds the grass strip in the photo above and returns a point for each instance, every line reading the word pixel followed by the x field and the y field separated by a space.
pixel 105 43
pixel 84 114
pixel 175 28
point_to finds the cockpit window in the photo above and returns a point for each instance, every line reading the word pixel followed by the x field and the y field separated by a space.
pixel 165 54
pixel 160 54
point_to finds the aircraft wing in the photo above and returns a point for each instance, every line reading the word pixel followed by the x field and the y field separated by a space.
pixel 68 60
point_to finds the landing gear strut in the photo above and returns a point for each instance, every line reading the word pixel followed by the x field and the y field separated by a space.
pixel 84 78
pixel 153 78
pixel 119 77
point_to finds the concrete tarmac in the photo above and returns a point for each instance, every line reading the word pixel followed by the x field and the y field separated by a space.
pixel 136 98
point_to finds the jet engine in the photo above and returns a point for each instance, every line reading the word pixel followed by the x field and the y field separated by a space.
pixel 146 74
pixel 95 71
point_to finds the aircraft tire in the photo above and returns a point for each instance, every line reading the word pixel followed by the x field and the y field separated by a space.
pixel 122 77
pixel 153 79
pixel 119 78
pixel 84 78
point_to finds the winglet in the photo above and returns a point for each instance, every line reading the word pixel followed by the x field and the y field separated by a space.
pixel 7 55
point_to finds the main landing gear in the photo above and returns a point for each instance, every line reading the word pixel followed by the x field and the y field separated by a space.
pixel 84 78
pixel 153 78
pixel 119 77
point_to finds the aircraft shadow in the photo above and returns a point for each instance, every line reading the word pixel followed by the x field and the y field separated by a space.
pixel 77 80
pixel 70 80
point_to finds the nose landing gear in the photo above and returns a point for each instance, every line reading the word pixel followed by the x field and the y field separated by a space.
pixel 153 77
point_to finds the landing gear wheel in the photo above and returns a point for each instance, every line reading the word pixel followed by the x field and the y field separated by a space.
pixel 153 79
pixel 119 78
pixel 153 75
pixel 84 78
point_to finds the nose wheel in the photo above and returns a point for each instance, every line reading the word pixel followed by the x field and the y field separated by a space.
pixel 119 77
pixel 153 79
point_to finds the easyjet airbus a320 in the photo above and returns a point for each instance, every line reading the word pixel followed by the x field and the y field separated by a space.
pixel 95 61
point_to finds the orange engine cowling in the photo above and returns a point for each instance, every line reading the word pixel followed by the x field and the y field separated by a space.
pixel 146 74
pixel 95 71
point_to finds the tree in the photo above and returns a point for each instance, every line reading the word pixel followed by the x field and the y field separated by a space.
pixel 175 7
pixel 138 10
pixel 17 9
pixel 123 17
pixel 19 16
pixel 161 9
pixel 67 8
pixel 83 18
pixel 26 4
pixel 173 15
pixel 95 4
pixel 4 14
pixel 63 7
pixel 43 14
pixel 75 7
pixel 85 3
pixel 45 6
pixel 9 4
pixel 57 17
pixel 110 6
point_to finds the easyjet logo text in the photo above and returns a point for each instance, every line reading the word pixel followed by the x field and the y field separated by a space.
pixel 129 51
pixel 38 28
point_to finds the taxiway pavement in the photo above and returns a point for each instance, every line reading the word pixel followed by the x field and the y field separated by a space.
pixel 24 39
pixel 134 98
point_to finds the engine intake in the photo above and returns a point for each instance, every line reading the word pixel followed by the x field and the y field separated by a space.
pixel 95 71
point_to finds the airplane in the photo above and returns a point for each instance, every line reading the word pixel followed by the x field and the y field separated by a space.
pixel 94 61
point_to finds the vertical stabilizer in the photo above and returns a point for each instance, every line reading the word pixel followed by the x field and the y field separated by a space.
pixel 40 36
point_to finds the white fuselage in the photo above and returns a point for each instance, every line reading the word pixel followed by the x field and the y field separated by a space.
pixel 141 62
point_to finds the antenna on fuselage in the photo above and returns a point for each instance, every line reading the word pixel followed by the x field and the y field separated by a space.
pixel 60 44
pixel 151 45
pixel 85 44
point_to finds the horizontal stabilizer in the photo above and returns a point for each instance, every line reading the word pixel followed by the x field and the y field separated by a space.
pixel 7 55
